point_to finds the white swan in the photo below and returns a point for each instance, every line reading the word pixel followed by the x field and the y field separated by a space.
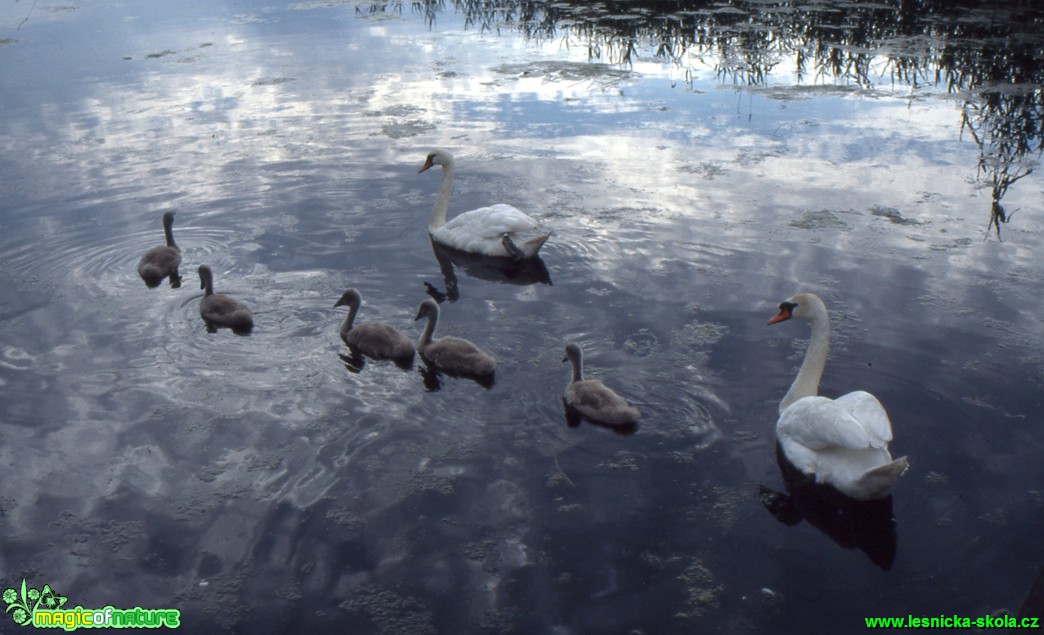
pixel 841 442
pixel 497 230
pixel 592 398
pixel 374 339
pixel 162 261
pixel 219 309
pixel 453 355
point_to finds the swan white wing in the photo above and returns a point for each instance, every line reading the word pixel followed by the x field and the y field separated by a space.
pixel 860 474
pixel 818 423
pixel 871 415
pixel 491 222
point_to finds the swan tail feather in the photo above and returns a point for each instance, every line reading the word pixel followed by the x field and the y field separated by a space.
pixel 529 247
pixel 534 244
pixel 879 481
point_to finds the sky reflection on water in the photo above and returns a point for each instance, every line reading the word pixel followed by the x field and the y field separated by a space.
pixel 255 482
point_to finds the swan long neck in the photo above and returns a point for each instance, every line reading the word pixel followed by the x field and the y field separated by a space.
pixel 208 285
pixel 438 213
pixel 349 320
pixel 806 384
pixel 429 329
pixel 578 367
pixel 168 233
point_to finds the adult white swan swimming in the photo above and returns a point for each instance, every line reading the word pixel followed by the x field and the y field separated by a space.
pixel 497 230
pixel 840 442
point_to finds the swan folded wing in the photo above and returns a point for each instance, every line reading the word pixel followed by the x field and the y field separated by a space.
pixel 879 481
pixel 380 340
pixel 597 401
pixel 819 423
pixel 594 395
pixel 224 310
pixel 491 222
pixel 456 355
pixel 870 414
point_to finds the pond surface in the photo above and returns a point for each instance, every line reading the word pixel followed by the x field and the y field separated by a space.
pixel 258 484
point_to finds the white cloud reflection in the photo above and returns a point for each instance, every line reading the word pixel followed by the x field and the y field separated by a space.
pixel 229 110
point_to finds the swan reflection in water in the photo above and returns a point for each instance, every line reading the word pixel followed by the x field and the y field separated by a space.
pixel 431 376
pixel 355 360
pixel 865 525
pixel 490 268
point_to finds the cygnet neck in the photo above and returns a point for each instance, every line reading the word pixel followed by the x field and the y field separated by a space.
pixel 207 282
pixel 429 327
pixel 168 230
pixel 576 358
pixel 349 320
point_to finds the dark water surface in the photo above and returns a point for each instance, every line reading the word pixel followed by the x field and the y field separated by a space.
pixel 257 485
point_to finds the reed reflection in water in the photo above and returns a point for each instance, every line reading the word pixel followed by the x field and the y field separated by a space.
pixel 986 53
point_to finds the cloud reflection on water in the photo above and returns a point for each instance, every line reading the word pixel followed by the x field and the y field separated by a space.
pixel 226 118
pixel 209 124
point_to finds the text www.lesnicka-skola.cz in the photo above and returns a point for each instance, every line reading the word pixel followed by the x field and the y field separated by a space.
pixel 953 621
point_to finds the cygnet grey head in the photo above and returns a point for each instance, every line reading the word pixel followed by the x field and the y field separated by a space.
pixel 427 308
pixel 572 351
pixel 350 297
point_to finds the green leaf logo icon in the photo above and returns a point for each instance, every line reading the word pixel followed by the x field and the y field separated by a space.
pixel 23 602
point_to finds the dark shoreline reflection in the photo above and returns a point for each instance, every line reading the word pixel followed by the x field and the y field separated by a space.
pixel 865 525
pixel 355 360
pixel 1005 156
pixel 490 268
pixel 1033 605
pixel 986 52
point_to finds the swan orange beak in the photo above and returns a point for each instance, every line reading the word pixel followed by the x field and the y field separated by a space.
pixel 783 315
pixel 427 164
